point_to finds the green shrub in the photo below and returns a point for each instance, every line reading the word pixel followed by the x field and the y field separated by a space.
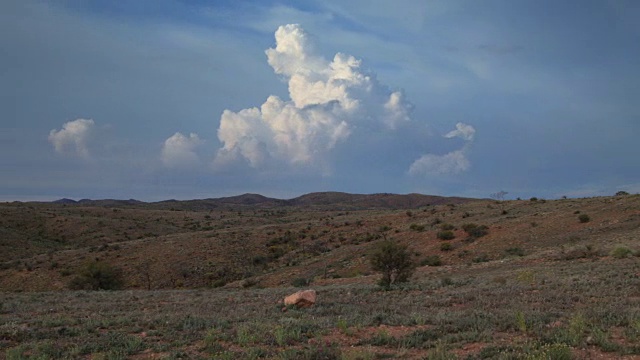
pixel 556 352
pixel 446 235
pixel 621 251
pixel 447 227
pixel 300 282
pixel 446 246
pixel 394 261
pixel 97 275
pixel 475 230
pixel 481 258
pixel 416 227
pixel 584 218
pixel 516 251
pixel 432 260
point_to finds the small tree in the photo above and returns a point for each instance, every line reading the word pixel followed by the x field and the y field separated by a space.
pixel 98 275
pixel 394 261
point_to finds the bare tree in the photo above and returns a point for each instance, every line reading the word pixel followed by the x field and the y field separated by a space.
pixel 499 195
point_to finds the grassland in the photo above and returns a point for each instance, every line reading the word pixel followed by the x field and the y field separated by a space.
pixel 540 284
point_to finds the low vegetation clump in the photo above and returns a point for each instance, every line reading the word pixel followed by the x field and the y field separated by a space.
pixel 475 231
pixel 514 251
pixel 621 251
pixel 446 235
pixel 432 260
pixel 445 227
pixel 584 218
pixel 446 246
pixel 416 227
pixel 300 282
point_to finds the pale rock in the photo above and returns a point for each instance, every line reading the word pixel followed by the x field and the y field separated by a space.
pixel 303 298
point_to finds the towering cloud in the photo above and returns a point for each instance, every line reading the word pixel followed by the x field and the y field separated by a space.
pixel 329 100
pixel 178 151
pixel 73 137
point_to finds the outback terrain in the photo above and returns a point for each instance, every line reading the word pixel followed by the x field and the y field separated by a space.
pixel 201 279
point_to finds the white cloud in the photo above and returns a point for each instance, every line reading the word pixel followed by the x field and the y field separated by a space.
pixel 178 151
pixel 73 137
pixel 454 162
pixel 328 101
pixel 464 131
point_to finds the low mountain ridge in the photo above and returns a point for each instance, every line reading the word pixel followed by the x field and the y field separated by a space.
pixel 329 199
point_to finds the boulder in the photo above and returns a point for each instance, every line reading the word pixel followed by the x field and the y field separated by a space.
pixel 303 298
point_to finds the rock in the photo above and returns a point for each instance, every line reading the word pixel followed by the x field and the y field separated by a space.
pixel 303 298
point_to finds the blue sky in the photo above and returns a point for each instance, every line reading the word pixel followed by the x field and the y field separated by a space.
pixel 192 99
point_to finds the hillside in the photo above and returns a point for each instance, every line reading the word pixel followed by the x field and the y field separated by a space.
pixel 242 244
pixel 274 241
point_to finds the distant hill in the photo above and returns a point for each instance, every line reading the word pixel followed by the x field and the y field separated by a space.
pixel 65 201
pixel 103 202
pixel 335 200
pixel 373 201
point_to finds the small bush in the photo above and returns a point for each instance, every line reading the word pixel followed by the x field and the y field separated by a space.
pixel 481 258
pixel 247 283
pixel 445 227
pixel 416 227
pixel 446 246
pixel 300 282
pixel 475 230
pixel 446 235
pixel 556 352
pixel 516 251
pixel 584 218
pixel 621 251
pixel 433 260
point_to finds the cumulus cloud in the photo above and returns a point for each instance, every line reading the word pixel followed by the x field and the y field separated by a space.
pixel 454 162
pixel 179 151
pixel 329 100
pixel 464 131
pixel 73 137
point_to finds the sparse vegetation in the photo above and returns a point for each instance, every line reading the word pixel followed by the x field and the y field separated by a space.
pixel 573 300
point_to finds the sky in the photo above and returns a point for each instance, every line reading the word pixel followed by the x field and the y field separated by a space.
pixel 178 99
